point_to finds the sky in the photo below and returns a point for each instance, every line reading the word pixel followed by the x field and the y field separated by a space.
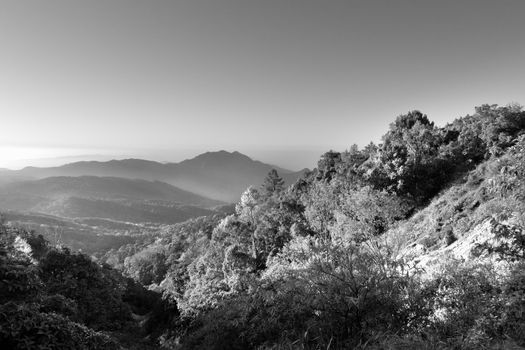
pixel 282 81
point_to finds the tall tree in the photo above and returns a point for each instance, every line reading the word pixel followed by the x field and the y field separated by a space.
pixel 409 155
pixel 273 184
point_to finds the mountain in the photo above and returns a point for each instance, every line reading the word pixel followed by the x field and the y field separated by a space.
pixel 110 198
pixel 8 176
pixel 219 175
pixel 127 168
pixel 96 214
pixel 105 188
pixel 120 198
pixel 223 175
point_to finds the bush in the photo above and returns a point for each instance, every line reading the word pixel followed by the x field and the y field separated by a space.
pixel 97 294
pixel 24 327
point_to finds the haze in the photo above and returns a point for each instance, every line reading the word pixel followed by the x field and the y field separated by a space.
pixel 279 80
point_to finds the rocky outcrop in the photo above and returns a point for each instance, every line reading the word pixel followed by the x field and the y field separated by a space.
pixel 465 249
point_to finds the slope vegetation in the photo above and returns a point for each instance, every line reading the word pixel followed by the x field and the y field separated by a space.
pixel 416 243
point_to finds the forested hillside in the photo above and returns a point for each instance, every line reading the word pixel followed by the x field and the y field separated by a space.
pixel 51 298
pixel 414 243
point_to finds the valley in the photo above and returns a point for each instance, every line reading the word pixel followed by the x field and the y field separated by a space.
pixel 97 206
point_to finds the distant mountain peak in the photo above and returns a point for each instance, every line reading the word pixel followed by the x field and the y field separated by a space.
pixel 220 156
pixel 221 175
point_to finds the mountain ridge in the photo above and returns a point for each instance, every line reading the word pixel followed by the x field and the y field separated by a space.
pixel 220 175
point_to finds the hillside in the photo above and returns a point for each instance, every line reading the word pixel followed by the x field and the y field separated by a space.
pixel 469 214
pixel 219 175
pixel 96 214
pixel 223 175
pixel 416 243
pixel 117 199
pixel 55 299
pixel 103 188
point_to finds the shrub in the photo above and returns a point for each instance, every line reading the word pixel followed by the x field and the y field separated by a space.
pixel 24 327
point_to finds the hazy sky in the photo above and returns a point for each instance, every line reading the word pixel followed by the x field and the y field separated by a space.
pixel 165 79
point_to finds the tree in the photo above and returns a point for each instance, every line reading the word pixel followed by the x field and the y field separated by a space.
pixel 409 155
pixel 327 165
pixel 95 289
pixel 248 211
pixel 364 213
pixel 320 204
pixel 147 266
pixel 273 184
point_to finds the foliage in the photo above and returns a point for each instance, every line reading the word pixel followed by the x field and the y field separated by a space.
pixel 314 265
pixel 51 298
pixel 147 266
pixel 25 327
pixel 273 184
pixel 318 264
pixel 98 295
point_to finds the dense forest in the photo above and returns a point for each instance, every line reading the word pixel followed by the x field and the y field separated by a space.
pixel 414 243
